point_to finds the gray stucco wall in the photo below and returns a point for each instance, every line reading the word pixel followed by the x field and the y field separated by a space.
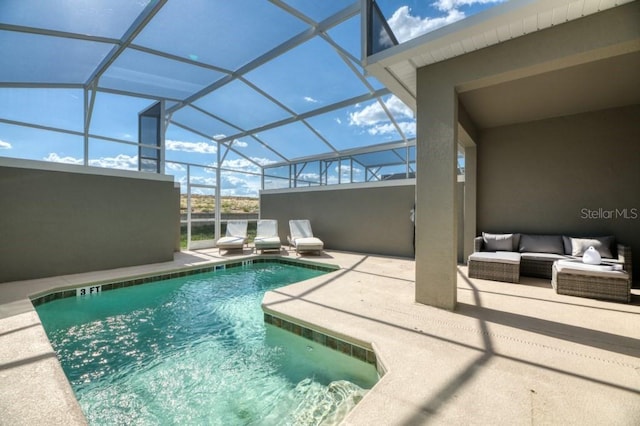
pixel 55 223
pixel 361 219
pixel 576 175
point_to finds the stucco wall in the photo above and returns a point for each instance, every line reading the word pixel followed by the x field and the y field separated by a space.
pixel 361 219
pixel 577 175
pixel 54 222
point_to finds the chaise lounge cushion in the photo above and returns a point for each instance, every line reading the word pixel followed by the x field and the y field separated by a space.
pixel 267 235
pixel 235 235
pixel 308 244
pixel 498 242
pixel 530 243
pixel 601 244
pixel 302 237
pixel 267 243
pixel 579 268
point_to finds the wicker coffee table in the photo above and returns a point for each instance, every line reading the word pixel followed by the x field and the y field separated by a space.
pixel 574 278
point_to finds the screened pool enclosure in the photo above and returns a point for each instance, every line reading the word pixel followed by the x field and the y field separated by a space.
pixel 229 97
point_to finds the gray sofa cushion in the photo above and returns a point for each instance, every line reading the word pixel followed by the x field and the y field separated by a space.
pixel 566 242
pixel 548 257
pixel 541 244
pixel 509 257
pixel 602 244
pixel 497 242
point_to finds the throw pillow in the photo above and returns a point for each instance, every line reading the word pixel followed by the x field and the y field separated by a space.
pixel 541 244
pixel 566 242
pixel 497 242
pixel 602 244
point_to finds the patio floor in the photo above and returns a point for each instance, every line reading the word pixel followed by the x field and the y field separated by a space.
pixel 510 354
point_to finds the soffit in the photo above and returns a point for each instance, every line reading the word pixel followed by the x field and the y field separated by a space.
pixel 608 83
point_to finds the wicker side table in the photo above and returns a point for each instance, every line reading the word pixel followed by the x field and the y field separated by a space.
pixel 575 279
pixel 496 266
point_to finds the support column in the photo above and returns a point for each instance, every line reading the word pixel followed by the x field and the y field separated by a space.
pixel 470 159
pixel 436 208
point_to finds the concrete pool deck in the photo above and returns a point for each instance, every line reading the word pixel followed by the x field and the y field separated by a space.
pixel 509 354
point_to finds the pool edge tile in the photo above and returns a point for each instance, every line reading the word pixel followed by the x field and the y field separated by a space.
pixel 114 284
pixel 352 350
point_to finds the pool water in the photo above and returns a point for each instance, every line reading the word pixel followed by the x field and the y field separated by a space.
pixel 195 350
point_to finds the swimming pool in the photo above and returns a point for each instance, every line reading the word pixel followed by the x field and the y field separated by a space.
pixel 196 350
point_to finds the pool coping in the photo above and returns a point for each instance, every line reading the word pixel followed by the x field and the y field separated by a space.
pixel 117 283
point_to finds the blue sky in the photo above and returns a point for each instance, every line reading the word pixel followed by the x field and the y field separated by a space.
pixel 223 37
pixel 410 19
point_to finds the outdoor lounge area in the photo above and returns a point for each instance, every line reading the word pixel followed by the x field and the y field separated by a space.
pixel 535 135
pixel 450 168
pixel 505 257
pixel 510 354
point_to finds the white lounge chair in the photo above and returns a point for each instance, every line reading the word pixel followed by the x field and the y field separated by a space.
pixel 267 235
pixel 302 237
pixel 236 236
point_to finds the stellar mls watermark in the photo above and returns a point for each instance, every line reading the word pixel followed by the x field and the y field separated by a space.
pixel 600 213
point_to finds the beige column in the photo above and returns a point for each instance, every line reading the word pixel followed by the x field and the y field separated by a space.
pixel 470 156
pixel 436 207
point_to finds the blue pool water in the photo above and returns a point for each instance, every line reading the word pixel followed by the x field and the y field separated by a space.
pixel 195 350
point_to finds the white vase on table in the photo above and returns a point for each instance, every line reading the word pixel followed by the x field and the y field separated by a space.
pixel 591 256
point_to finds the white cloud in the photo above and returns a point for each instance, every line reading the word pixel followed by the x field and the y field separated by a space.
pixel 241 164
pixel 408 128
pixel 367 116
pixel 313 177
pixel 406 26
pixel 54 157
pixel 244 165
pixel 346 170
pixel 263 161
pixel 202 180
pixel 376 122
pixel 381 129
pixel 175 167
pixel 199 147
pixel 240 185
pixel 234 181
pixel 338 120
pixel 5 145
pixel 240 144
pixel 310 99
pixel 447 5
pixel 398 108
pixel 121 161
pixel 372 114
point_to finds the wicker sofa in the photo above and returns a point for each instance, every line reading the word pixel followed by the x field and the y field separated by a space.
pixel 506 257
